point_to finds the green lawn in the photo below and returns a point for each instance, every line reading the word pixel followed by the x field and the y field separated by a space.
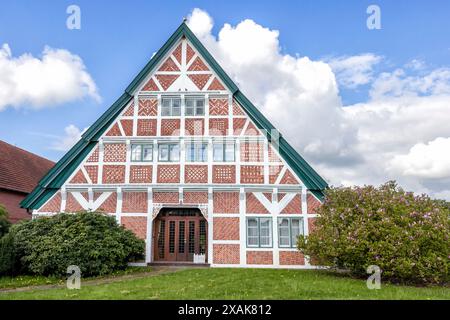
pixel 237 284
pixel 25 281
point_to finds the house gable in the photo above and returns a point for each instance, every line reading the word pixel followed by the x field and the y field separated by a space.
pixel 181 64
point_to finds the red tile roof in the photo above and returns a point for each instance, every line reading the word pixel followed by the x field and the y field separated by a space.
pixel 21 170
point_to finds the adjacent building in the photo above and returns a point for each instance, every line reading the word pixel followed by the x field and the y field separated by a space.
pixel 20 172
pixel 190 165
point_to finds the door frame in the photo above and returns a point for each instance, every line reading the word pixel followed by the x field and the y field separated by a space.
pixel 164 216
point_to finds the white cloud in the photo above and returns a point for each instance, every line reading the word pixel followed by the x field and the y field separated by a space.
pixel 354 144
pixel 200 22
pixel 430 160
pixel 72 134
pixel 353 71
pixel 56 78
pixel 399 83
pixel 285 88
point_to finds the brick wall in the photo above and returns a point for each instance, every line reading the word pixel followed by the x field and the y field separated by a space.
pixel 72 204
pixel 218 126
pixel 195 197
pixel 259 257
pixel 196 174
pixel 141 174
pixel 194 127
pixel 136 224
pixel 225 202
pixel 291 258
pixel 168 174
pixel 224 174
pixel 253 205
pixel 252 174
pixel 115 152
pixel 148 107
pixel 226 254
pixel 92 171
pixel 11 201
pixel 226 229
pixel 134 202
pixel 294 206
pixel 78 178
pixel 313 203
pixel 113 174
pixel 170 127
pixel 109 205
pixel 165 197
pixel 146 127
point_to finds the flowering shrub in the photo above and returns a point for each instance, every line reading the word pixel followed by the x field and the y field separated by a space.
pixel 407 236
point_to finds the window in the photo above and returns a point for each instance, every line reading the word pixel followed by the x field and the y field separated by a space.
pixel 223 152
pixel 288 231
pixel 171 106
pixel 259 232
pixel 169 152
pixel 195 106
pixel 141 152
pixel 196 152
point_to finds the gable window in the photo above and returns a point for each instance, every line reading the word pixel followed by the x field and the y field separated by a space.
pixel 197 152
pixel 195 106
pixel 223 151
pixel 141 152
pixel 170 106
pixel 169 152
pixel 259 232
pixel 288 231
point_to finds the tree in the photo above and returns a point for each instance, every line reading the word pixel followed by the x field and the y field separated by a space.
pixel 4 223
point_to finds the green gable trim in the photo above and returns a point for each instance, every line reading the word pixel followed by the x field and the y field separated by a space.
pixel 62 170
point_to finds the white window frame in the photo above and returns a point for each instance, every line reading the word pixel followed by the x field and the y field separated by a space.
pixel 169 152
pixel 300 231
pixel 141 152
pixel 195 107
pixel 224 144
pixel 197 145
pixel 259 245
pixel 171 107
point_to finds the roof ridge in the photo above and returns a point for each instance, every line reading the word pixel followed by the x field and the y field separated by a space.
pixel 26 151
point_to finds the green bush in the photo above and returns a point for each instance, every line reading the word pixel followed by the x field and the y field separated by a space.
pixel 7 256
pixel 407 236
pixel 92 241
pixel 4 223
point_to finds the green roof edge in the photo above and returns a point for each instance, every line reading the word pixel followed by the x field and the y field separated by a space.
pixel 56 176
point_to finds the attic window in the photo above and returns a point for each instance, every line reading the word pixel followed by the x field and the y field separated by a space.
pixel 195 106
pixel 170 106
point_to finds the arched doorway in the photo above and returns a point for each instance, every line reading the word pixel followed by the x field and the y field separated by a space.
pixel 178 234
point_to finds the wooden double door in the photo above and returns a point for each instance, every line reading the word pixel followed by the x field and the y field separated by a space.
pixel 179 234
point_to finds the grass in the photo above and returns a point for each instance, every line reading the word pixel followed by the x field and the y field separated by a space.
pixel 26 280
pixel 237 284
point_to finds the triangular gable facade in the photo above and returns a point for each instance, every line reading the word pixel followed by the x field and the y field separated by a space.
pixel 183 135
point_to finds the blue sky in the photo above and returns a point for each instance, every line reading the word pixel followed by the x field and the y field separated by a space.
pixel 117 38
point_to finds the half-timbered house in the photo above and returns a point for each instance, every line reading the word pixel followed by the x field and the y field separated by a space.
pixel 190 165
